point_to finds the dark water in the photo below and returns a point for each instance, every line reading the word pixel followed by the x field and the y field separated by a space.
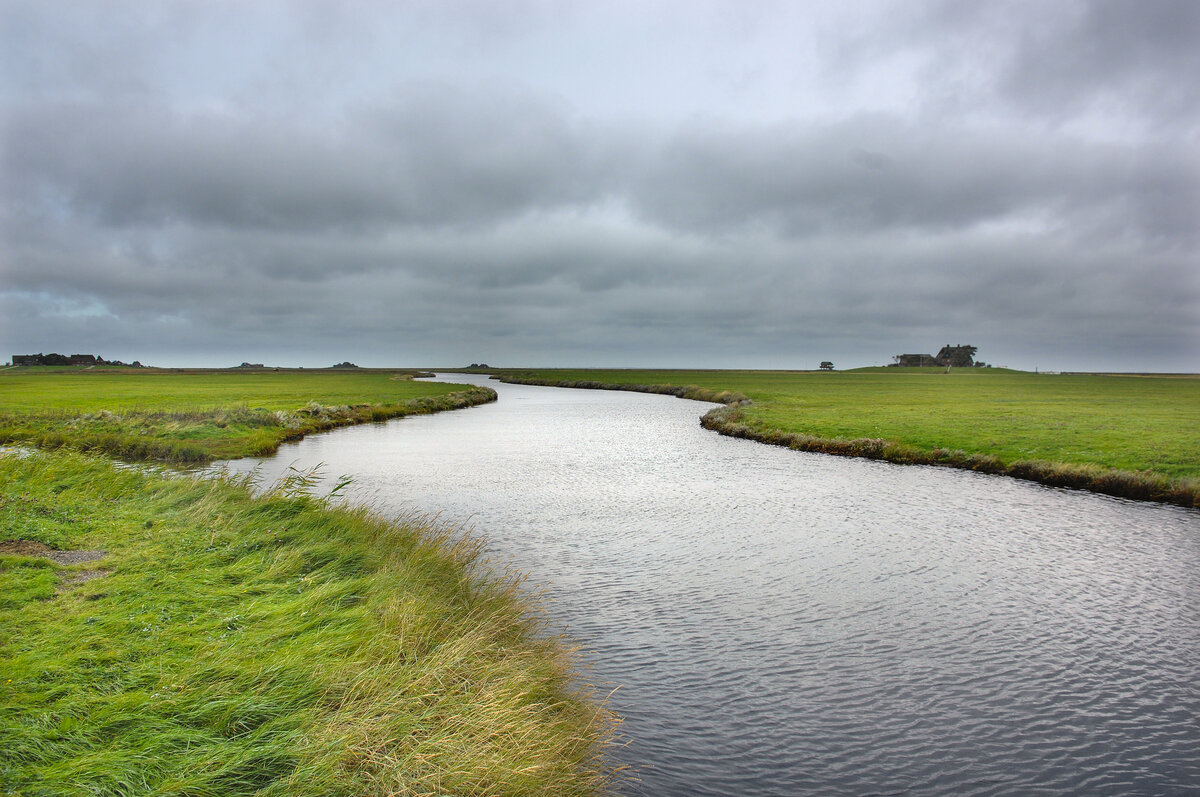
pixel 783 624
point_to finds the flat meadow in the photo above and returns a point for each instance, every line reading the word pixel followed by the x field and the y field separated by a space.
pixel 193 416
pixel 1124 427
pixel 37 389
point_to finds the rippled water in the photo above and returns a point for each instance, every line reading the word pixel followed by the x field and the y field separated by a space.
pixel 782 623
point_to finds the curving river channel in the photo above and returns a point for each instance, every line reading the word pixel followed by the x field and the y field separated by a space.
pixel 780 623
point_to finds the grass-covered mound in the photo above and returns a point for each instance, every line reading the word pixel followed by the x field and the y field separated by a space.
pixel 197 416
pixel 225 644
pixel 1133 436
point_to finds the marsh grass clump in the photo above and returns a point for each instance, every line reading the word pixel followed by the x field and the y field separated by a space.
pixel 272 645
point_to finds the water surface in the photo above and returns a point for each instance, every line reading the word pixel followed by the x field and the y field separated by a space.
pixel 780 623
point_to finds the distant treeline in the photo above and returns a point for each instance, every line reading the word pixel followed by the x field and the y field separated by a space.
pixel 71 359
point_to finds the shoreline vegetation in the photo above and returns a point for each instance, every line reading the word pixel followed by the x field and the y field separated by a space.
pixel 171 633
pixel 1087 413
pixel 233 645
pixel 194 417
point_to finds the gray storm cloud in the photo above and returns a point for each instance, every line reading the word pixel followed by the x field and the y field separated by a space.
pixel 1038 195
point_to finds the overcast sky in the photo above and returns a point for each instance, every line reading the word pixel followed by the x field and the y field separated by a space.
pixel 672 184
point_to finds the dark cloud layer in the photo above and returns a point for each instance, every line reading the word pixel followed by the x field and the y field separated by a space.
pixel 1036 192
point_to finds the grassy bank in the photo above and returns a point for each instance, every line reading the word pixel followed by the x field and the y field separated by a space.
pixel 196 416
pixel 1132 436
pixel 219 644
pixel 168 635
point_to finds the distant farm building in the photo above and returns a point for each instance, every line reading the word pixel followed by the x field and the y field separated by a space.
pixel 959 356
pixel 915 360
pixel 826 365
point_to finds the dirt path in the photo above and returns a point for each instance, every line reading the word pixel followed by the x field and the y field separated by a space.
pixel 65 580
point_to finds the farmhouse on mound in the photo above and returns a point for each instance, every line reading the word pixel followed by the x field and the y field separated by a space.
pixel 959 356
pixel 914 360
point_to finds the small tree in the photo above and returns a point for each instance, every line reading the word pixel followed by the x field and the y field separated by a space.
pixel 826 366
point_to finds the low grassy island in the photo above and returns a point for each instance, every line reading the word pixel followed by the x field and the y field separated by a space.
pixel 1136 436
pixel 168 634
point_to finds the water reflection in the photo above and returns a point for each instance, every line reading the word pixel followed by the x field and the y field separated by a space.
pixel 783 623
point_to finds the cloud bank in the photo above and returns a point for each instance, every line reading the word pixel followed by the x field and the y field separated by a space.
pixel 543 184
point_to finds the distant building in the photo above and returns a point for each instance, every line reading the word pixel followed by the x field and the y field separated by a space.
pixel 826 365
pixel 959 356
pixel 915 361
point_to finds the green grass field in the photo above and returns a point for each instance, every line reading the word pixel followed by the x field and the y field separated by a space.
pixel 195 416
pixel 37 390
pixel 232 645
pixel 1148 425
